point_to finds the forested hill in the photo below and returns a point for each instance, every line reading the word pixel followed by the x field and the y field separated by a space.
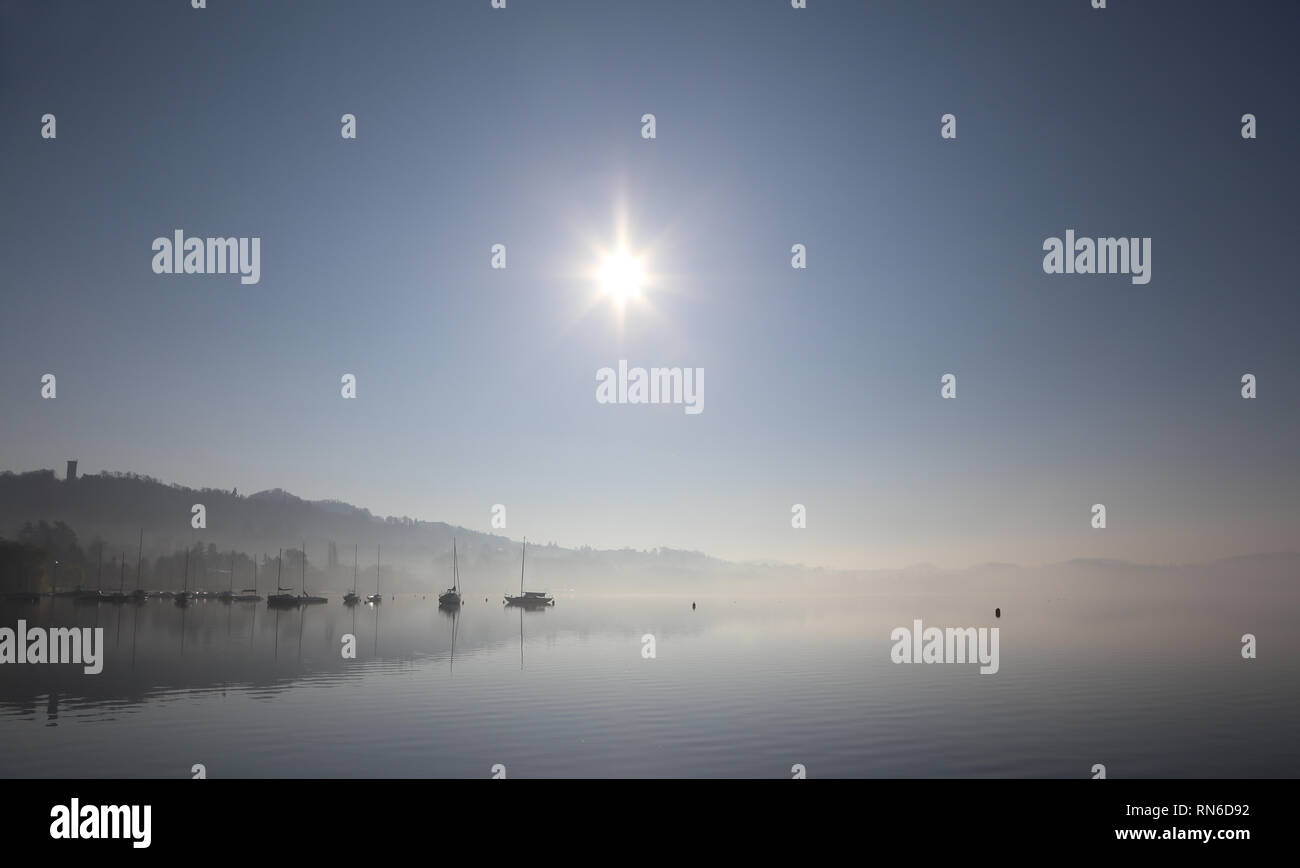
pixel 113 508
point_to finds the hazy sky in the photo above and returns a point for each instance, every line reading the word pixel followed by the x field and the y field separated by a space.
pixel 774 126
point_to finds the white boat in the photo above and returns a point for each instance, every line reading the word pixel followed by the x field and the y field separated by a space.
pixel 376 598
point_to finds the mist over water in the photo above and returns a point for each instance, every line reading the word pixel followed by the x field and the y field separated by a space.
pixel 1139 669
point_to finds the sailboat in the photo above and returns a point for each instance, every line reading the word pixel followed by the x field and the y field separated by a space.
pixel 229 594
pixel 351 598
pixel 528 599
pixel 305 597
pixel 450 598
pixel 200 593
pixel 250 595
pixel 139 595
pixel 97 594
pixel 281 598
pixel 183 598
pixel 119 596
pixel 376 597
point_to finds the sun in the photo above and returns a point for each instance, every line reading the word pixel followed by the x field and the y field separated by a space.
pixel 621 276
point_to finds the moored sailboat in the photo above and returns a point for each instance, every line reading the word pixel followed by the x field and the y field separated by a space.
pixel 139 595
pixel 376 598
pixel 97 594
pixel 228 595
pixel 450 598
pixel 183 598
pixel 120 595
pixel 305 597
pixel 528 599
pixel 351 598
pixel 281 598
pixel 250 595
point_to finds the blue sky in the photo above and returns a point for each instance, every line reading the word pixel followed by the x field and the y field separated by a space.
pixel 775 126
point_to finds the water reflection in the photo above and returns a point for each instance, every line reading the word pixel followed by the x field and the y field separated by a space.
pixel 739 687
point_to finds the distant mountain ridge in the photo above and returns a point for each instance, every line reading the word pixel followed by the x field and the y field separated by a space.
pixel 113 507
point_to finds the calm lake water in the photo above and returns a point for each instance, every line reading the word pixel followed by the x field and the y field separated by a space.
pixel 1151 683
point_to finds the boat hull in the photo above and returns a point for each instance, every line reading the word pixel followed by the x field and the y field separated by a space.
pixel 530 601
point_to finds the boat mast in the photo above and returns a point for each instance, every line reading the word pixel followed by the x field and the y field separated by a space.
pixel 232 571
pixel 379 550
pixel 139 554
pixel 354 568
pixel 279 569
pixel 304 568
pixel 455 569
pixel 186 585
pixel 521 567
pixel 99 571
pixel 121 575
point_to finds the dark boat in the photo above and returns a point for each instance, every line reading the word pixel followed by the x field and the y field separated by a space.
pixel 450 598
pixel 183 598
pixel 306 598
pixel 281 599
pixel 139 595
pixel 120 595
pixel 528 599
pixel 228 595
pixel 351 598
pixel 250 595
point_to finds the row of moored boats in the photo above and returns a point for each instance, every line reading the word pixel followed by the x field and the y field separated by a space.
pixel 283 597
